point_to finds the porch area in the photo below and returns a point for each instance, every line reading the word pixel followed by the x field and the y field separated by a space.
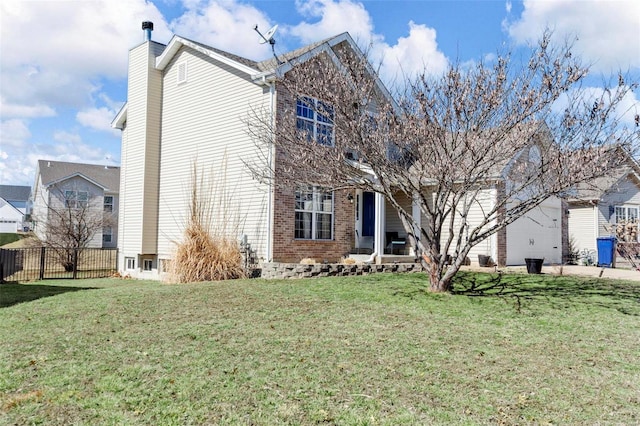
pixel 380 237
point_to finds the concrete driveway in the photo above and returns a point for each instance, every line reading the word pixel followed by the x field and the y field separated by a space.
pixel 587 271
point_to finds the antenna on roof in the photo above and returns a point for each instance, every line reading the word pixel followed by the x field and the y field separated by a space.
pixel 268 38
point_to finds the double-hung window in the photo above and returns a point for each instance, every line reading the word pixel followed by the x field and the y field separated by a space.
pixel 626 220
pixel 626 214
pixel 108 204
pixel 314 119
pixel 107 234
pixel 314 214
pixel 76 199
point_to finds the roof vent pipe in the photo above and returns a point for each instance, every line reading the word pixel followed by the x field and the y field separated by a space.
pixel 147 26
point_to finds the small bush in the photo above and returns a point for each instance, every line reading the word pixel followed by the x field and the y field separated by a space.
pixel 203 256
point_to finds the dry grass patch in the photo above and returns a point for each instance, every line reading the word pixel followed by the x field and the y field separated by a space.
pixel 209 250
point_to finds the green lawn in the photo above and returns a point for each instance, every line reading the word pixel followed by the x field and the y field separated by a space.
pixel 355 351
pixel 6 238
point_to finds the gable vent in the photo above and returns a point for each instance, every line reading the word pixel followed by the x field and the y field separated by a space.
pixel 182 72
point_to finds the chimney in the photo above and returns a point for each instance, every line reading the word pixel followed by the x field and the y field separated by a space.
pixel 147 26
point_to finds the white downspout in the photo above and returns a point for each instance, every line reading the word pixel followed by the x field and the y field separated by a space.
pixel 272 91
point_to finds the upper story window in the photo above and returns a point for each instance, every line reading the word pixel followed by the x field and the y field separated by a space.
pixel 315 119
pixel 108 203
pixel 314 214
pixel 76 199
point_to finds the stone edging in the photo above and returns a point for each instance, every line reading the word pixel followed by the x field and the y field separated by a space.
pixel 297 270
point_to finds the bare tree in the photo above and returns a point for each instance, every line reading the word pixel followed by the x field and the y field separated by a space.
pixel 71 220
pixel 523 132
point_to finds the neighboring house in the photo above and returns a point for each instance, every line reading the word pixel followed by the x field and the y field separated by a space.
pixel 597 208
pixel 187 107
pixel 14 207
pixel 60 185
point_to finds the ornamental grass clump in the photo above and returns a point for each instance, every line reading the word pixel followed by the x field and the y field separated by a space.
pixel 209 250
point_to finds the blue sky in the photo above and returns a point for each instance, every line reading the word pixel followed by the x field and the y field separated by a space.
pixel 63 63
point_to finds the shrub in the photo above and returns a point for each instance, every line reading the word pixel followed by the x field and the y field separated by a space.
pixel 209 251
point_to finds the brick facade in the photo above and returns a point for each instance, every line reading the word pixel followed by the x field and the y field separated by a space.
pixel 286 248
pixel 501 236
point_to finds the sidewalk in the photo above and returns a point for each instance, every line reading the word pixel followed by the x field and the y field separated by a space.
pixel 586 271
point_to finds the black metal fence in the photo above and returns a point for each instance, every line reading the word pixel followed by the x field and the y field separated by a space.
pixel 40 263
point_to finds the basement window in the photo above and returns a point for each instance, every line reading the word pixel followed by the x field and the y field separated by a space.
pixel 130 262
pixel 148 264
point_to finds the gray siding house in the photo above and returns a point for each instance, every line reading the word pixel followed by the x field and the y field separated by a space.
pixel 61 185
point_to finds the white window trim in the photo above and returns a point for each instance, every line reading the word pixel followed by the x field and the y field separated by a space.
pixel 110 205
pixel 317 192
pixel 313 105
pixel 626 209
pixel 130 263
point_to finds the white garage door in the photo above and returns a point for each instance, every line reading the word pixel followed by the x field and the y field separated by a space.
pixel 538 234
pixel 8 226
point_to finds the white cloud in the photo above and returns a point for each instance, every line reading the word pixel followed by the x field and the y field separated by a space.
pixel 416 52
pixel 508 6
pixel 14 133
pixel 44 62
pixel 608 32
pixel 333 18
pixel 25 111
pixel 55 56
pixel 66 138
pixel 413 54
pixel 224 24
pixel 98 119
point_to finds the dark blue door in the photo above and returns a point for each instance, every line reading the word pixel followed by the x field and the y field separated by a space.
pixel 368 214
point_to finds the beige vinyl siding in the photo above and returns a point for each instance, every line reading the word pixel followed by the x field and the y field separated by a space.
pixel 140 151
pixel 582 227
pixel 485 201
pixel 204 123
pixel 392 218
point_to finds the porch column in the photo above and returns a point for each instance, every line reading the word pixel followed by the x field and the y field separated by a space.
pixel 417 218
pixel 378 236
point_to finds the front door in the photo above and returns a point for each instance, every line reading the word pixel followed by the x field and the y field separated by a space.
pixel 368 214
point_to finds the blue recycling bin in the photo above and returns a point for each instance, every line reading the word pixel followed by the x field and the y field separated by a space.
pixel 607 252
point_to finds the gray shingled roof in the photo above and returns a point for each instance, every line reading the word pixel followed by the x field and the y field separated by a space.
pixel 268 64
pixel 15 192
pixel 54 171
pixel 239 59
pixel 598 187
pixel 271 63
